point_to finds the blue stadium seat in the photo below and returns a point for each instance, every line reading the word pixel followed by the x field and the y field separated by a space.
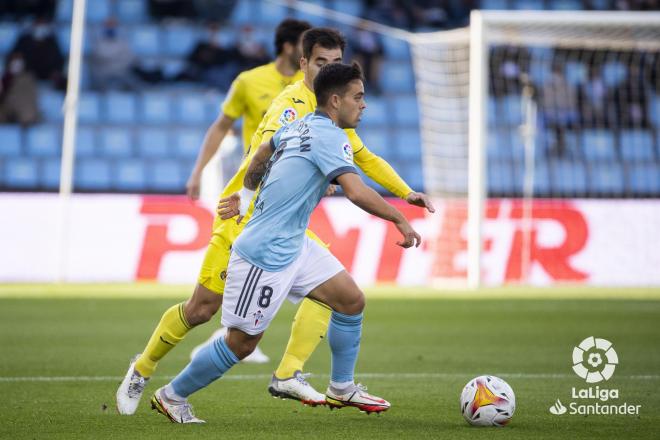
pixel 494 4
pixel 120 107
pixel 509 110
pixel 43 140
pixel 63 35
pixel 397 77
pixel 406 112
pixel 654 110
pixel 606 178
pixel 566 5
pixel 644 179
pixel 172 66
pixel 492 111
pixel 413 175
pixel 188 143
pixel 85 142
pixel 180 40
pixel 244 12
pixel 599 145
pixel 165 175
pixel 97 10
pixel 191 109
pixel 378 141
pixel 130 176
pixel 350 7
pixel 576 72
pixel 637 145
pixel 50 173
pixel 8 35
pixel 396 49
pixel 131 11
pixel 156 108
pixel 408 144
pixel 500 177
pixel 153 142
pixel 376 114
pixel 21 173
pixel 614 72
pixel 116 142
pixel 146 40
pixel 51 103
pixel 89 107
pixel 542 182
pixel 93 175
pixel 498 145
pixel 269 13
pixel 10 140
pixel 535 5
pixel 64 10
pixel 569 178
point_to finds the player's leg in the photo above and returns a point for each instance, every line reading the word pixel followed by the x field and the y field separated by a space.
pixel 175 323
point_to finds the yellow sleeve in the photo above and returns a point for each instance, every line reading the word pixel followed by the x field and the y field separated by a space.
pixel 377 168
pixel 234 105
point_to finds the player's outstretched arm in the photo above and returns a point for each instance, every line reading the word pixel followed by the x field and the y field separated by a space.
pixel 370 201
pixel 214 136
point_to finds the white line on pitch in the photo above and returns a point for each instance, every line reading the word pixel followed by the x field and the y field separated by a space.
pixel 359 375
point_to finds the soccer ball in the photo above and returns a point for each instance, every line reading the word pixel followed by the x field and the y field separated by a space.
pixel 487 401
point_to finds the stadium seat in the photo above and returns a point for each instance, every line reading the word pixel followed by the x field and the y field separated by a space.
pixel 64 11
pixel 146 40
pixel 527 5
pixel 89 107
pixel 406 112
pixel 10 144
pixel 8 35
pixel 598 145
pixel 576 73
pixel 51 104
pixel 130 176
pixel 413 175
pixel 498 145
pixel 542 183
pixel 63 35
pixel 376 114
pixel 509 110
pixel 614 73
pixel 43 140
pixel 494 4
pixel 566 5
pixel 97 10
pixel 397 77
pixel 180 40
pixel 120 107
pixel 49 177
pixel 569 178
pixel 492 111
pixel 156 108
pixel 637 145
pixel 377 141
pixel 500 177
pixel 116 142
pixel 350 7
pixel 643 179
pixel 396 49
pixel 165 176
pixel 153 142
pixel 188 143
pixel 86 142
pixel 244 12
pixel 606 178
pixel 131 11
pixel 408 144
pixel 92 175
pixel 191 109
pixel 21 173
pixel 269 13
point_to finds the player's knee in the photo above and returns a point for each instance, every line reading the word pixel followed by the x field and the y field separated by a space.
pixel 242 344
pixel 353 304
pixel 200 312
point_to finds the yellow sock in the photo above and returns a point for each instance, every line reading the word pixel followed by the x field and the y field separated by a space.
pixel 171 330
pixel 309 326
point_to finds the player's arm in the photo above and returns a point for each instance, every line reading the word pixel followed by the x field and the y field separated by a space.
pixel 370 201
pixel 214 136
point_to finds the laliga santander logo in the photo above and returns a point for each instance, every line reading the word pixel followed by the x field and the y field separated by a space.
pixel 594 359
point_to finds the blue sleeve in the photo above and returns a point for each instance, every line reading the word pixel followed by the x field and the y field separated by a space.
pixel 334 155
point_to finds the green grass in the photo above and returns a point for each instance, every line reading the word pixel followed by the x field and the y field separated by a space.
pixel 418 350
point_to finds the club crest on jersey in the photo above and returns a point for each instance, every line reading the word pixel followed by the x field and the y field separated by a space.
pixel 348 153
pixel 257 317
pixel 288 116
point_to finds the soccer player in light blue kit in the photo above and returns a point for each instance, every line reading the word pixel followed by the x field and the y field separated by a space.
pixel 273 258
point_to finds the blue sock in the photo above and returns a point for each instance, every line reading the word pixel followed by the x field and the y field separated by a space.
pixel 209 364
pixel 344 338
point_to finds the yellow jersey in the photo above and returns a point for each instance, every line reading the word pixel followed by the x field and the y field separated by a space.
pixel 251 94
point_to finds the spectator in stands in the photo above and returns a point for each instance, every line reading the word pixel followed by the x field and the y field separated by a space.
pixel 42 53
pixel 368 51
pixel 18 93
pixel 597 106
pixel 213 61
pixel 631 97
pixel 508 63
pixel 431 13
pixel 214 10
pixel 253 52
pixel 164 9
pixel 397 13
pixel 27 8
pixel 558 105
pixel 112 60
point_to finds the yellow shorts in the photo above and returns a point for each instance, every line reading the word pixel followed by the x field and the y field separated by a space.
pixel 213 273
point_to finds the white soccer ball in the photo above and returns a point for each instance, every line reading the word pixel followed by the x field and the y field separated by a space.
pixel 487 401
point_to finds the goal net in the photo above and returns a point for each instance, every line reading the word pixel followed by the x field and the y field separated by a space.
pixel 524 110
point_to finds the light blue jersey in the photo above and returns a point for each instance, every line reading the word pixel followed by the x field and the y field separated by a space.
pixel 309 154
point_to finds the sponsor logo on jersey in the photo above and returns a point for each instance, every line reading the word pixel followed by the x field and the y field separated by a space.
pixel 288 116
pixel 347 150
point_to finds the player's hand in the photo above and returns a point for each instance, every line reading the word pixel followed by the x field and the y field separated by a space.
pixel 229 207
pixel 330 191
pixel 421 200
pixel 410 236
pixel 193 185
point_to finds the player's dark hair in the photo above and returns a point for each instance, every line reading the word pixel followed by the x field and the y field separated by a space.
pixel 327 38
pixel 289 31
pixel 333 79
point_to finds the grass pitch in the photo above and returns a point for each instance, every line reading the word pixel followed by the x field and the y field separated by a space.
pixel 64 349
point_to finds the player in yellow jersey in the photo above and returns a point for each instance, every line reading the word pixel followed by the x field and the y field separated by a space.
pixel 320 46
pixel 250 95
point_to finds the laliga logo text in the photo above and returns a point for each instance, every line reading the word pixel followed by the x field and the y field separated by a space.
pixel 594 360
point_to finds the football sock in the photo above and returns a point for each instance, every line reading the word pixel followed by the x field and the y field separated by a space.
pixel 171 329
pixel 209 364
pixel 308 329
pixel 344 338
